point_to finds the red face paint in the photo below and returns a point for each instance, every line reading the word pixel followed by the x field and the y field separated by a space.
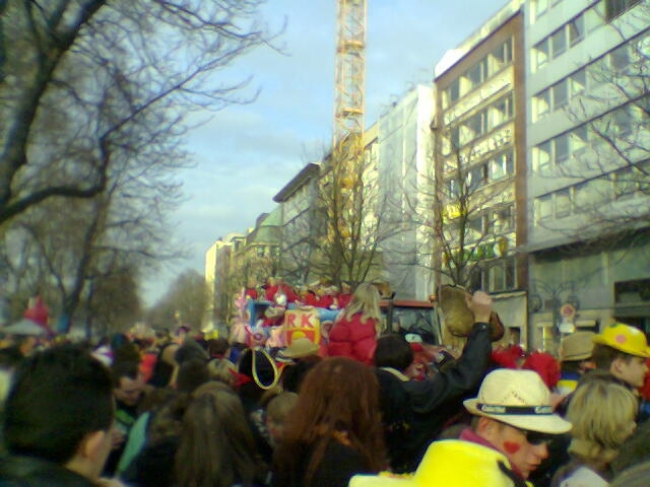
pixel 511 447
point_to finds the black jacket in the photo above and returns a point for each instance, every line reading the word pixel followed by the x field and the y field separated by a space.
pixel 32 472
pixel 434 402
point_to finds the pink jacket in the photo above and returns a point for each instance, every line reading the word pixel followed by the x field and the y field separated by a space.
pixel 353 339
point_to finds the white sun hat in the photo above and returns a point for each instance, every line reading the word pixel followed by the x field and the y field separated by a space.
pixel 518 398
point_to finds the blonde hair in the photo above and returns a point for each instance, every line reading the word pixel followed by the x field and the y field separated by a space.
pixel 280 407
pixel 365 300
pixel 222 370
pixel 603 416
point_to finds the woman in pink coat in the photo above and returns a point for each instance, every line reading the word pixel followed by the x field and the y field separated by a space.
pixel 354 334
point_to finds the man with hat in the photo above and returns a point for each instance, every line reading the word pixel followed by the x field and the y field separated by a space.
pixel 575 360
pixel 622 351
pixel 512 425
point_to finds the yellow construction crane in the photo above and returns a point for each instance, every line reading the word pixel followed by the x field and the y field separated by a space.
pixel 349 104
pixel 349 109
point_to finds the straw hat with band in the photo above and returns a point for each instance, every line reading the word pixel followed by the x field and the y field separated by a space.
pixel 624 338
pixel 577 346
pixel 518 398
pixel 300 347
pixel 456 316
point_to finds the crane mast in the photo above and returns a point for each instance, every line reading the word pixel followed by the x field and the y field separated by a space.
pixel 349 109
pixel 350 72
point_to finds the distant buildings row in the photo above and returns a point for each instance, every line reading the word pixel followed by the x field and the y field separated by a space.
pixel 523 170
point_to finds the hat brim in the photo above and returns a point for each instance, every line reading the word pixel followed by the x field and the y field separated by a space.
pixel 312 350
pixel 25 327
pixel 382 481
pixel 544 423
pixel 599 340
pixel 576 357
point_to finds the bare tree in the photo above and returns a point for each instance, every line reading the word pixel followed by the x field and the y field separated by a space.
pixel 348 225
pixel 466 208
pixel 78 76
pixel 184 303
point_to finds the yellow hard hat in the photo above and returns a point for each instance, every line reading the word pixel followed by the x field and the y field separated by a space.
pixel 624 338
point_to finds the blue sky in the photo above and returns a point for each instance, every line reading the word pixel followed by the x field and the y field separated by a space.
pixel 246 153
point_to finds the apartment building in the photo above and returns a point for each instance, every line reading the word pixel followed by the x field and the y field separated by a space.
pixel 405 178
pixel 480 136
pixel 296 201
pixel 588 142
pixel 217 268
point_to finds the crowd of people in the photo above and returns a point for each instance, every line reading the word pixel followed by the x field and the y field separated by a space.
pixel 174 409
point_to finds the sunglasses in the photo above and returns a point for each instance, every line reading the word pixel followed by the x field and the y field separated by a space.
pixel 537 438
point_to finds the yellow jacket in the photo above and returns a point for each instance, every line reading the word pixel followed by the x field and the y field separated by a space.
pixel 449 463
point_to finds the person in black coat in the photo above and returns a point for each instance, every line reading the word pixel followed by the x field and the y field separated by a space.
pixel 420 410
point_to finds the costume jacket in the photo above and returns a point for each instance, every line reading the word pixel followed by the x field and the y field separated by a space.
pixel 18 471
pixel 453 463
pixel 435 401
pixel 353 338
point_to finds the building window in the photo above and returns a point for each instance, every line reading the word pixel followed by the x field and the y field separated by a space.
pixel 560 94
pixel 619 59
pixel 476 177
pixel 503 220
pixel 577 82
pixel 563 203
pixel 541 53
pixel 501 111
pixel 502 275
pixel 544 208
pixel 452 93
pixel 627 182
pixel 540 7
pixel 578 140
pixel 500 57
pixel 542 104
pixel 593 193
pixel 561 148
pixel 614 8
pixel 558 42
pixel 475 228
pixel 542 157
pixel 576 30
pixel 501 166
